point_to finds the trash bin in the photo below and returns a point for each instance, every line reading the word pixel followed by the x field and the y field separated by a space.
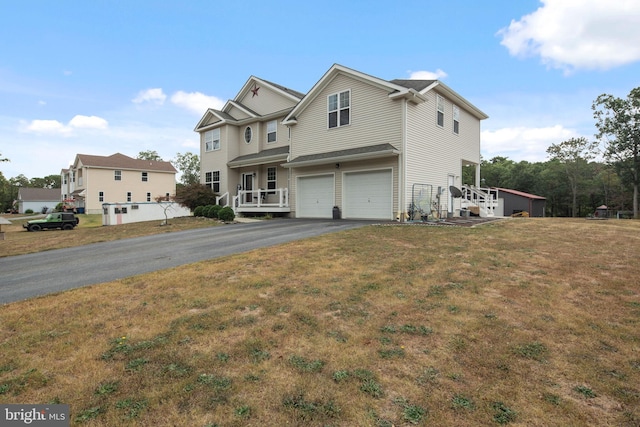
pixel 336 212
pixel 80 210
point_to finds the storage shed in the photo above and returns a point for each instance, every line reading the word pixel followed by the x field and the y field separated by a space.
pixel 518 201
pixel 39 200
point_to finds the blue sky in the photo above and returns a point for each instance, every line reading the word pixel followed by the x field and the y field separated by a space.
pixel 100 77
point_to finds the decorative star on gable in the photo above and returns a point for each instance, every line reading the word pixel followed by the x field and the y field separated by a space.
pixel 255 90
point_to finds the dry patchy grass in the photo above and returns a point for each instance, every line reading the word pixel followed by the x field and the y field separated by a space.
pixel 523 322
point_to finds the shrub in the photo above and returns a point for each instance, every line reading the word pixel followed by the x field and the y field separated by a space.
pixel 226 214
pixel 215 211
pixel 208 211
pixel 198 211
pixel 29 211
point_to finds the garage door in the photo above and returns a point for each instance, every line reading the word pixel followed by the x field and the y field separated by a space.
pixel 315 197
pixel 368 195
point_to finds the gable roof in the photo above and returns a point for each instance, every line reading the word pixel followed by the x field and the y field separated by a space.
pixel 29 194
pixel 520 193
pixel 395 90
pixel 120 161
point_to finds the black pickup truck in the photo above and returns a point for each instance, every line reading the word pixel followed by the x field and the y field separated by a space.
pixel 62 220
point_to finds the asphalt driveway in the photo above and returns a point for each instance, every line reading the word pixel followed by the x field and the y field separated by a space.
pixel 27 276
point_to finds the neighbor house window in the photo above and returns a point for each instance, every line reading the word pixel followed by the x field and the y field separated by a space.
pixel 128 196
pixel 272 129
pixel 339 108
pixel 212 140
pixel 101 196
pixel 117 175
pixel 148 197
pixel 271 179
pixel 440 113
pixel 145 176
pixel 212 180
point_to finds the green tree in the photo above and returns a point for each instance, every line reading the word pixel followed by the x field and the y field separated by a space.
pixel 618 123
pixel 49 181
pixel 497 172
pixel 574 154
pixel 3 159
pixel 151 155
pixel 189 165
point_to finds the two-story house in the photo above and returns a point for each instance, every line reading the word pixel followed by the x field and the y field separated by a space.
pixel 372 148
pixel 93 180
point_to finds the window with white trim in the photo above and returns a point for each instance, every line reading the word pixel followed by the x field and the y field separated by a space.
pixel 128 196
pixel 440 113
pixel 456 120
pixel 212 180
pixel 117 175
pixel 272 129
pixel 101 196
pixel 339 109
pixel 271 179
pixel 145 176
pixel 212 140
pixel 148 197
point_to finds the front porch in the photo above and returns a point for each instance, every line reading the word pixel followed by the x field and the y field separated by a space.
pixel 261 201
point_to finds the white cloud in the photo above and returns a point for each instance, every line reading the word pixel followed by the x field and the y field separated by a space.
pixel 196 102
pixel 578 34
pixel 55 127
pixel 523 143
pixel 155 96
pixel 88 122
pixel 427 75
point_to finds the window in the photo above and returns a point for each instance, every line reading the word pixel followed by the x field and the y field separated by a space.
pixel 271 180
pixel 440 114
pixel 145 176
pixel 148 197
pixel 122 210
pixel 212 180
pixel 128 196
pixel 456 120
pixel 101 196
pixel 339 107
pixel 272 129
pixel 247 134
pixel 212 140
pixel 117 175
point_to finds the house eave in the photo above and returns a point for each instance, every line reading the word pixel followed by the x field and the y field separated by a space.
pixel 341 158
pixel 256 162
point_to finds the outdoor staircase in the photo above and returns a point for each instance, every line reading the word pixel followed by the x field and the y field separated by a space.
pixel 484 199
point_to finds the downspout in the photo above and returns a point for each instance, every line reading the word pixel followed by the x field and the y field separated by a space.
pixel 402 166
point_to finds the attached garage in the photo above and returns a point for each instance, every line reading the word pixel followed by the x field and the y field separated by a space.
pixel 368 195
pixel 315 196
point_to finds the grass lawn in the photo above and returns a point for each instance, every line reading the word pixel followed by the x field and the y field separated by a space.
pixel 527 322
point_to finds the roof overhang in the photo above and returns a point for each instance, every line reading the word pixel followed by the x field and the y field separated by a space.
pixel 365 153
pixel 274 155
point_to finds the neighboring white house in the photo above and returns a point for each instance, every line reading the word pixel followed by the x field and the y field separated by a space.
pixel 372 148
pixel 94 180
pixel 39 200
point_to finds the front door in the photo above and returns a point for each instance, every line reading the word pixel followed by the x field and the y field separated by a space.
pixel 247 182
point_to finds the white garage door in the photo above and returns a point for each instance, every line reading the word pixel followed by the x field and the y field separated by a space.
pixel 368 195
pixel 315 197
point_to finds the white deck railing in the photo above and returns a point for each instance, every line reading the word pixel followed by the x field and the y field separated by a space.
pixel 485 198
pixel 261 199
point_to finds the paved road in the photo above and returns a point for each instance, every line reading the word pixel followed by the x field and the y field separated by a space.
pixel 26 276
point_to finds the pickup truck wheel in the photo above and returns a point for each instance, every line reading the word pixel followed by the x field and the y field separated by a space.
pixel 35 227
pixel 67 227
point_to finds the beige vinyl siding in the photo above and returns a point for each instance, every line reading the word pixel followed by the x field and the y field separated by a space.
pixel 96 180
pixel 434 152
pixel 267 101
pixel 217 160
pixel 237 113
pixel 375 119
pixel 282 135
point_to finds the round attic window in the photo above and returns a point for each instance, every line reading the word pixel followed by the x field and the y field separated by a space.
pixel 247 135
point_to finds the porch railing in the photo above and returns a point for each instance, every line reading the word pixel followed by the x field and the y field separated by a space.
pixel 261 198
pixel 485 198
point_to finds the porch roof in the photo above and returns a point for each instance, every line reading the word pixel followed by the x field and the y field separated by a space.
pixel 265 156
pixel 361 153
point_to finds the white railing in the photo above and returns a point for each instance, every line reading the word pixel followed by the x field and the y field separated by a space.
pixel 261 198
pixel 484 198
pixel 225 196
